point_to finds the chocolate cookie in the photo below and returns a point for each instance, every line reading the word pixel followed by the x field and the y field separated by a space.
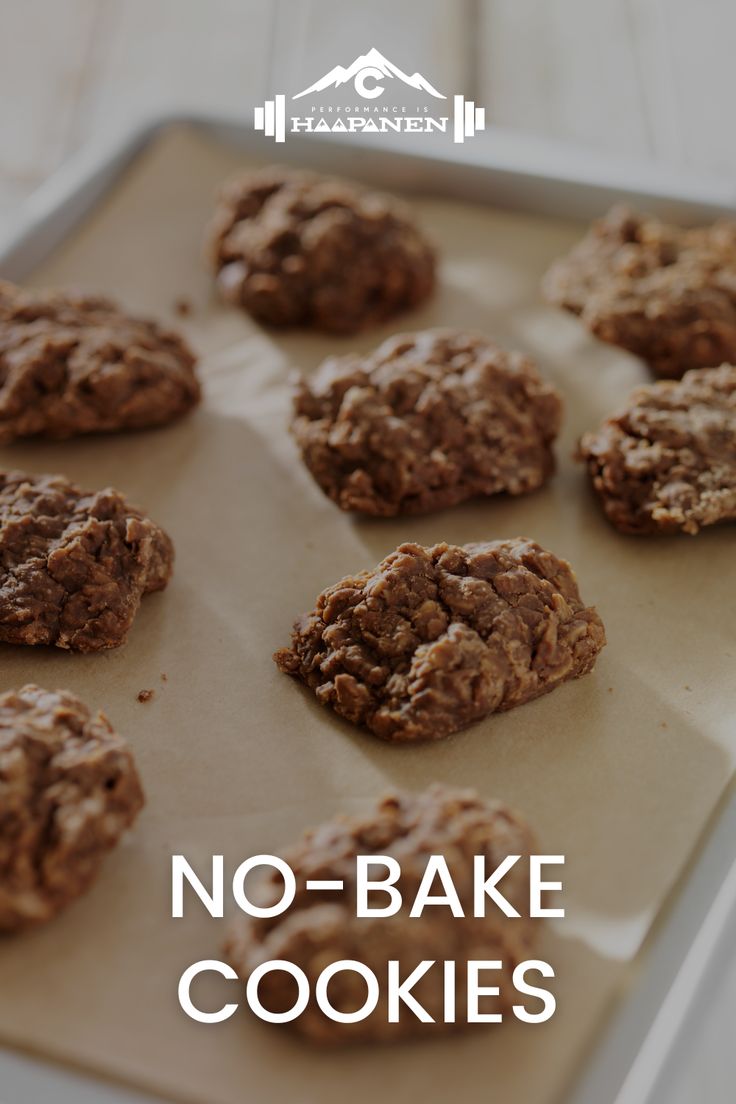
pixel 664 293
pixel 426 421
pixel 74 564
pixel 73 364
pixel 667 462
pixel 69 789
pixel 433 639
pixel 297 249
pixel 321 928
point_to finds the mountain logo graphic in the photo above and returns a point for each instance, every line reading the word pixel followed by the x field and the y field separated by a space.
pixel 366 73
pixel 370 75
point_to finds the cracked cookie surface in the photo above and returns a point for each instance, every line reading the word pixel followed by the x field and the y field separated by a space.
pixel 69 789
pixel 75 364
pixel 297 249
pixel 74 564
pixel 665 293
pixel 667 462
pixel 426 421
pixel 436 638
pixel 318 930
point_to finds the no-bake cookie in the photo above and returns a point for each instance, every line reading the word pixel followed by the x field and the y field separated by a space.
pixel 435 638
pixel 321 928
pixel 74 564
pixel 664 293
pixel 297 249
pixel 69 789
pixel 74 364
pixel 426 421
pixel 667 462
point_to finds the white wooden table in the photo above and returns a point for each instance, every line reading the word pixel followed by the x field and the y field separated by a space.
pixel 651 79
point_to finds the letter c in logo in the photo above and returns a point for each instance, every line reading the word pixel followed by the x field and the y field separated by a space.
pixel 363 75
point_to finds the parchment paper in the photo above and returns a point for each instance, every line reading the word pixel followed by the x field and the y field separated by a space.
pixel 619 771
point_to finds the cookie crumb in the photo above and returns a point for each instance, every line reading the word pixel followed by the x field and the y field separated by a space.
pixel 164 677
pixel 146 695
pixel 183 307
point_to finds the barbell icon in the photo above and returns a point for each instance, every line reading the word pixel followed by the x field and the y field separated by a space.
pixel 468 119
pixel 270 118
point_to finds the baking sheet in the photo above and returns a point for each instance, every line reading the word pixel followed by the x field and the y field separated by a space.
pixel 619 771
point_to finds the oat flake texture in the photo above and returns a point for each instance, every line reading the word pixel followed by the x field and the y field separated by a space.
pixel 297 249
pixel 75 364
pixel 426 421
pixel 318 930
pixel 74 564
pixel 69 789
pixel 664 293
pixel 667 462
pixel 436 638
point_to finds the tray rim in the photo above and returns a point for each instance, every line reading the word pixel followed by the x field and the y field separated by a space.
pixel 633 1055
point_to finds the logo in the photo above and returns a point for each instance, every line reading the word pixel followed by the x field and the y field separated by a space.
pixel 372 66
pixel 369 77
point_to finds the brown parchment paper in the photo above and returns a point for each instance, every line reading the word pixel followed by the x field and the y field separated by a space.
pixel 618 771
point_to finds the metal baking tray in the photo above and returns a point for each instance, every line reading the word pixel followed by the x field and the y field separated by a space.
pixel 646 1039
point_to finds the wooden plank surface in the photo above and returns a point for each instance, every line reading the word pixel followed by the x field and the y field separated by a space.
pixel 698 42
pixel 43 51
pixel 652 78
pixel 312 36
pixel 565 69
pixel 154 55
